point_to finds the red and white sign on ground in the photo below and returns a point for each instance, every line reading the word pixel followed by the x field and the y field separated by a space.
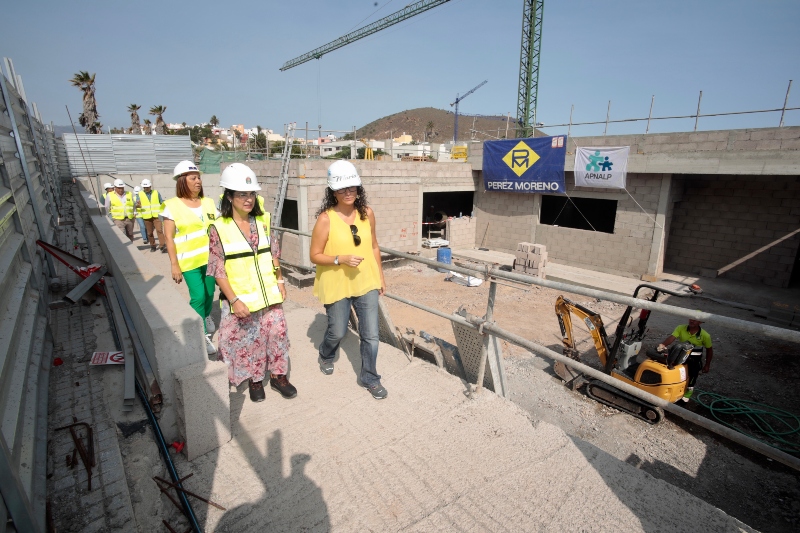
pixel 107 358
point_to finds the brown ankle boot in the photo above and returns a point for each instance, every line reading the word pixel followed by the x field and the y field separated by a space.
pixel 257 391
pixel 281 384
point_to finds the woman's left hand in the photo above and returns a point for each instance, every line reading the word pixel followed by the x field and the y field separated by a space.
pixel 382 291
pixel 282 288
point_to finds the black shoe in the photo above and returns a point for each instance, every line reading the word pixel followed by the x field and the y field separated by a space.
pixel 326 367
pixel 282 385
pixel 257 391
pixel 153 248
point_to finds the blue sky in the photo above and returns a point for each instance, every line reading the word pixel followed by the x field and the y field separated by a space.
pixel 209 57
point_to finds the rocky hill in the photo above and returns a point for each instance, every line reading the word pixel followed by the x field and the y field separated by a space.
pixel 435 125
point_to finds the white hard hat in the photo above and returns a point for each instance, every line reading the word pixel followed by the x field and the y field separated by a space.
pixel 108 186
pixel 146 183
pixel 343 174
pixel 239 177
pixel 119 183
pixel 182 168
pixel 136 189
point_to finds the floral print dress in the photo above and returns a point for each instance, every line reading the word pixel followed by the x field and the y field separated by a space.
pixel 255 345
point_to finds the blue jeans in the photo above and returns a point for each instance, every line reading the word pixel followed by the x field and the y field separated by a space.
pixel 366 307
pixel 142 229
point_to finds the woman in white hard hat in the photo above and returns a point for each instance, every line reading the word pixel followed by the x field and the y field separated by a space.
pixel 244 260
pixel 120 205
pixel 137 210
pixel 186 221
pixel 344 246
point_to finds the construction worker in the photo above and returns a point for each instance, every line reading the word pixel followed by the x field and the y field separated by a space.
pixel 137 213
pixel 344 246
pixel 150 205
pixel 698 337
pixel 120 204
pixel 108 188
pixel 244 260
pixel 186 221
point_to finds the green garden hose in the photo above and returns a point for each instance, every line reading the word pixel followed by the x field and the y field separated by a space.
pixel 776 427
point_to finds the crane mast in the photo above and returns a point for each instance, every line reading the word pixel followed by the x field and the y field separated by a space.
pixel 532 16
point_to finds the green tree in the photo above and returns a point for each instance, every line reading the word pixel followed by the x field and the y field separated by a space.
pixel 158 111
pixel 136 126
pixel 89 117
pixel 213 121
pixel 147 129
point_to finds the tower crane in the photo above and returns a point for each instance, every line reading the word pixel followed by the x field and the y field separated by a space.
pixel 532 19
pixel 458 99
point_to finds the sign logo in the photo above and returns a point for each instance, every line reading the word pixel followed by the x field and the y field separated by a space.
pixel 598 163
pixel 520 158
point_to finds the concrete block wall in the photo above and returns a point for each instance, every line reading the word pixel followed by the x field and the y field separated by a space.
pixel 721 219
pixel 171 333
pixel 504 219
pixel 461 232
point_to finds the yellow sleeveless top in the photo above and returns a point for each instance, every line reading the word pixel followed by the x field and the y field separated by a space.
pixel 335 282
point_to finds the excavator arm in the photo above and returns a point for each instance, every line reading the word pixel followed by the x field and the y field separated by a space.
pixel 564 311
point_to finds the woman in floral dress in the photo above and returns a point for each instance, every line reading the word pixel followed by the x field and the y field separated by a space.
pixel 244 260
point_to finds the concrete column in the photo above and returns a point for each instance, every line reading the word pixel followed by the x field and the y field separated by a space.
pixel 537 208
pixel 655 266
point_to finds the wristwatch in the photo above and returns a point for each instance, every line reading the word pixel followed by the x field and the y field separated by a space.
pixel 336 260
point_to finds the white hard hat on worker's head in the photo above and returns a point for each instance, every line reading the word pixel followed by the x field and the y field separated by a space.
pixel 108 186
pixel 136 189
pixel 182 168
pixel 119 183
pixel 239 177
pixel 146 183
pixel 343 174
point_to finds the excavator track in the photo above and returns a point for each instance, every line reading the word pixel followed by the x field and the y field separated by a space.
pixel 613 397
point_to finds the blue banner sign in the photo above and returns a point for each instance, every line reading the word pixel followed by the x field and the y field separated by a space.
pixel 532 165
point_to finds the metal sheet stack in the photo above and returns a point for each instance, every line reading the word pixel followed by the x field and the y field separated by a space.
pixel 531 259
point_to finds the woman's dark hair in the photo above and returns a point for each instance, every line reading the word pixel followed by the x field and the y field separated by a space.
pixel 182 189
pixel 226 207
pixel 330 200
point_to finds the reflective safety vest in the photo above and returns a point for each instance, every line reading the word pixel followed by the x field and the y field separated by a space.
pixel 150 209
pixel 191 232
pixel 120 211
pixel 251 274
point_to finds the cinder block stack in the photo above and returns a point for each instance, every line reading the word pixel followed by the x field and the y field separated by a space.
pixel 531 259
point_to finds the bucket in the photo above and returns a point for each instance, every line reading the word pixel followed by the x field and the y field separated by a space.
pixel 444 255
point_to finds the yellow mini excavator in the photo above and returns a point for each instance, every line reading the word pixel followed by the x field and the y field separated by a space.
pixel 661 374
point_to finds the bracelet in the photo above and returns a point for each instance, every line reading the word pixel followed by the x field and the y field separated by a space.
pixel 234 301
pixel 281 281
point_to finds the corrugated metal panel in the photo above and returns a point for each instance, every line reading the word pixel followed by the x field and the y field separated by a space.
pixel 125 154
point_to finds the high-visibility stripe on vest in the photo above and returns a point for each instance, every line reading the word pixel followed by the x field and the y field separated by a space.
pixel 191 232
pixel 152 207
pixel 120 211
pixel 251 274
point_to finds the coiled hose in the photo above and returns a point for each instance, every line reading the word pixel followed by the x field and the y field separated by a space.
pixel 775 427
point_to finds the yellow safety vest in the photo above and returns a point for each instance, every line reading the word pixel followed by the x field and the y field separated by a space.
pixel 148 209
pixel 120 211
pixel 251 274
pixel 191 232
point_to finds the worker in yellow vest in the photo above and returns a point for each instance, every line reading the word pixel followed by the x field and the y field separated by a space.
pixel 186 221
pixel 244 260
pixel 120 204
pixel 149 205
pixel 109 188
pixel 137 213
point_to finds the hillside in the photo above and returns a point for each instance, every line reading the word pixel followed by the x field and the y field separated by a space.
pixel 414 122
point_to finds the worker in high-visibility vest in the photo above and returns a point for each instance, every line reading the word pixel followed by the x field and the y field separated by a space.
pixel 243 258
pixel 120 204
pixel 138 215
pixel 149 205
pixel 186 221
pixel 108 189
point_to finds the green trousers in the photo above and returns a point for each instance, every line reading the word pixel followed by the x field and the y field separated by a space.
pixel 201 291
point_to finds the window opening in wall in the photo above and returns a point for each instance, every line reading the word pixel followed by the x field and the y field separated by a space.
pixel 438 206
pixel 560 211
pixel 289 218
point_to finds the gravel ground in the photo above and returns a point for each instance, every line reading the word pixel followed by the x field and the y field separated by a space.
pixel 756 490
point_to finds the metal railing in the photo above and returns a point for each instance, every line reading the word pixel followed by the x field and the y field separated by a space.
pixel 486 326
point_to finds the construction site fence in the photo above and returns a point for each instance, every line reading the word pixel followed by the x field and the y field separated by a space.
pixel 90 155
pixel 30 206
pixel 494 273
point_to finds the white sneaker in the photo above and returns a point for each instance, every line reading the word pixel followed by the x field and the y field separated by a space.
pixel 210 326
pixel 210 348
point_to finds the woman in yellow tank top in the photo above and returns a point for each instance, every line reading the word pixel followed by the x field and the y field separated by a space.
pixel 344 247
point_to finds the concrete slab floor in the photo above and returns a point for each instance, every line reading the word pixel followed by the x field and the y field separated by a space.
pixel 426 458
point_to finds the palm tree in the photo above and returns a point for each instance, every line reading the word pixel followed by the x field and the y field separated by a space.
pixel 158 111
pixel 214 121
pixel 429 129
pixel 89 118
pixel 147 129
pixel 136 126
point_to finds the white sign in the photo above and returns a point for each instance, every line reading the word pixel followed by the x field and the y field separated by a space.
pixel 107 358
pixel 601 167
